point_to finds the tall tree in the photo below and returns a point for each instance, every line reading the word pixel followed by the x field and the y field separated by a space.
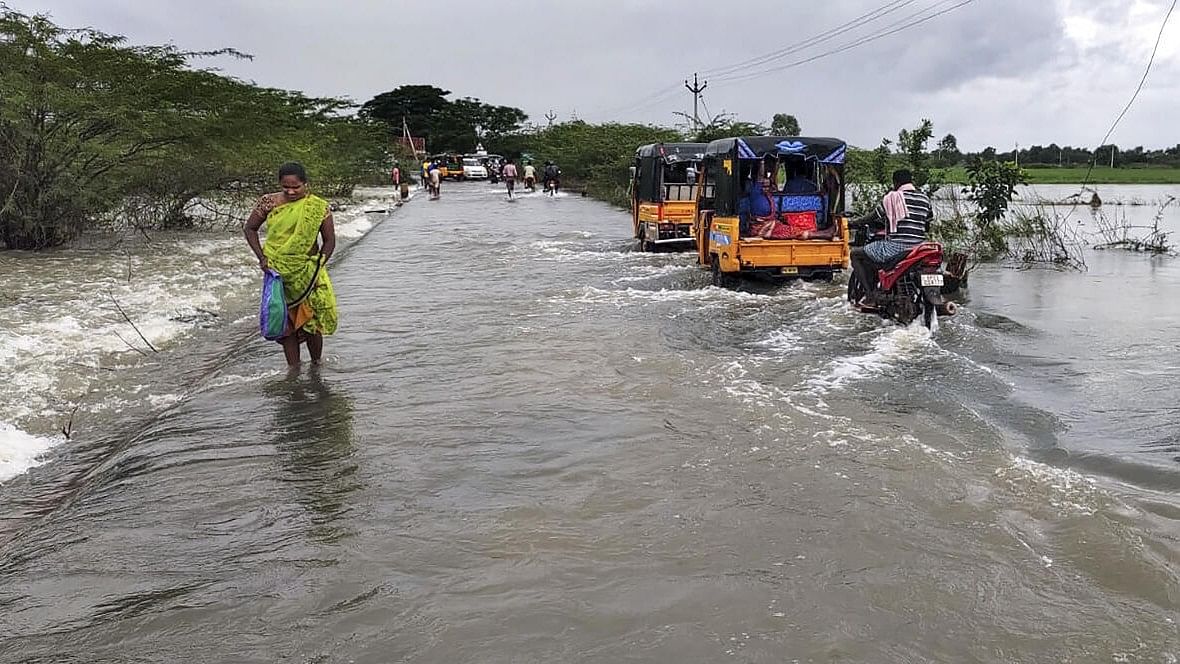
pixel 416 103
pixel 784 125
pixel 948 150
pixel 912 145
pixel 949 144
pixel 445 124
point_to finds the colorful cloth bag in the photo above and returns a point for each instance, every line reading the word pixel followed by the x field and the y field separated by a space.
pixel 273 321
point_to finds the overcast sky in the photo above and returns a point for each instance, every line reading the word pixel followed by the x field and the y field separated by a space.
pixel 993 72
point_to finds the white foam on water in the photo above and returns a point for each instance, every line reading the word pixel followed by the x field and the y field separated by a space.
pixel 1074 492
pixel 888 351
pixel 736 382
pixel 707 296
pixel 930 450
pixel 815 410
pixel 566 250
pixel 354 228
pixel 164 400
pixel 20 451
pixel 648 272
pixel 783 340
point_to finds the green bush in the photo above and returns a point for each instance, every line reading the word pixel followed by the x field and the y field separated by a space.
pixel 88 122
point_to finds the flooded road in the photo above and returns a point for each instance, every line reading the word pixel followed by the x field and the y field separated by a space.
pixel 530 444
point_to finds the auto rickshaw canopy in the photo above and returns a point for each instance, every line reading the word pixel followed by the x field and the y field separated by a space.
pixel 651 159
pixel 729 165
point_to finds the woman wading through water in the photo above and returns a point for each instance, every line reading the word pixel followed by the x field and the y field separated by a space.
pixel 295 219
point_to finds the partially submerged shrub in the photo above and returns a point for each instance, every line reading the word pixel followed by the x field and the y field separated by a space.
pixel 1118 234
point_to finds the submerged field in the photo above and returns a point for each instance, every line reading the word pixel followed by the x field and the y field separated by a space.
pixel 1077 175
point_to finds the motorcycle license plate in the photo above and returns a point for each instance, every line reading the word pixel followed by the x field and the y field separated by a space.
pixel 931 280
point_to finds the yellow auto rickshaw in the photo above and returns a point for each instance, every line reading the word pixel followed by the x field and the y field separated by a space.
pixel 772 207
pixel 450 166
pixel 664 194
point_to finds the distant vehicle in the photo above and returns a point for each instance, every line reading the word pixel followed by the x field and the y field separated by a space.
pixel 451 165
pixel 473 169
pixel 493 162
pixel 664 192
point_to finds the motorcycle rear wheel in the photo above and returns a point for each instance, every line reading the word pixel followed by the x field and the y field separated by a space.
pixel 856 289
pixel 907 309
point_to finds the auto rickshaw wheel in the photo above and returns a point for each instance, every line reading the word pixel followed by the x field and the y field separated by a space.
pixel 720 279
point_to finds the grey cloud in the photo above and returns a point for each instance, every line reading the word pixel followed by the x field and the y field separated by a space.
pixel 601 58
pixel 998 38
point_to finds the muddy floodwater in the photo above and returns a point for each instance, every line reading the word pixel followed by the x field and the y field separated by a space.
pixel 530 443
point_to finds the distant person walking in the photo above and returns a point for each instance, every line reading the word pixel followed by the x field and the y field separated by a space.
pixel 296 220
pixel 509 175
pixel 530 176
pixel 400 183
pixel 435 180
pixel 401 186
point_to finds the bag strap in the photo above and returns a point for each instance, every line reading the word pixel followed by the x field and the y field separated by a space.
pixel 314 278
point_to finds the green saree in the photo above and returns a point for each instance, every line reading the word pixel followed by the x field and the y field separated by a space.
pixel 291 230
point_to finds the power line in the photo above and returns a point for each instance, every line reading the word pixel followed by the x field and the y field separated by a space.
pixel 851 45
pixel 664 94
pixel 853 24
pixel 666 97
pixel 644 102
pixel 668 93
pixel 1142 81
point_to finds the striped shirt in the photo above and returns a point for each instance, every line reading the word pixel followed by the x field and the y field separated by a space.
pixel 908 228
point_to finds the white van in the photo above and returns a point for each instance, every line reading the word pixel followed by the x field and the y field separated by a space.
pixel 473 170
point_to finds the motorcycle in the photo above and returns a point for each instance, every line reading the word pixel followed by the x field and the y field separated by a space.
pixel 551 187
pixel 909 287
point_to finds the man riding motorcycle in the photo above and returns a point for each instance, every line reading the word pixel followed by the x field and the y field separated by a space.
pixel 906 213
pixel 552 174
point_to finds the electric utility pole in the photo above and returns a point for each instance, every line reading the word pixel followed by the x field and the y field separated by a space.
pixel 696 89
pixel 550 116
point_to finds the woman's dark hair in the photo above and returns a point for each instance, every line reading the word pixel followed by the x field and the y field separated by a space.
pixel 293 168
